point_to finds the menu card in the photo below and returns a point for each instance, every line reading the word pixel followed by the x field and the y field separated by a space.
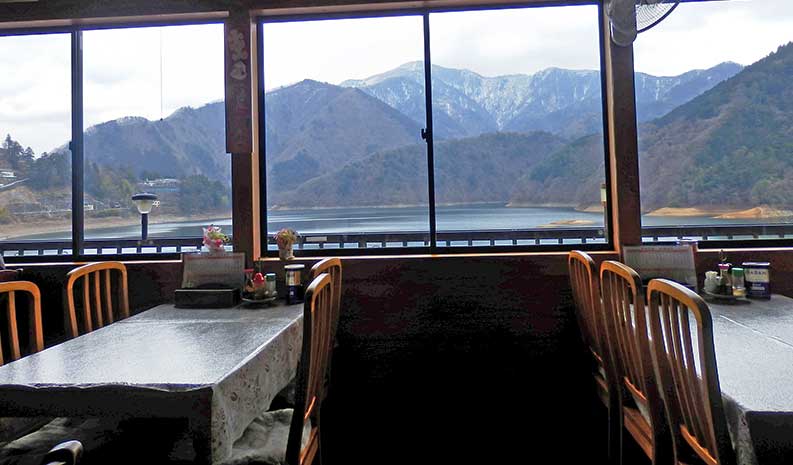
pixel 223 270
pixel 675 262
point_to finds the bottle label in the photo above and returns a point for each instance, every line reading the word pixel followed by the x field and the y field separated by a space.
pixel 758 282
pixel 292 278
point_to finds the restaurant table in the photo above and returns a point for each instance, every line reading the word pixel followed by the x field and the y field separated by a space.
pixel 754 354
pixel 216 368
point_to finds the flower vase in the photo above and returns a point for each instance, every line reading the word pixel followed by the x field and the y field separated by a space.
pixel 286 253
pixel 214 250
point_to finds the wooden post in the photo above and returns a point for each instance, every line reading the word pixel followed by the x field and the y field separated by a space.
pixel 623 143
pixel 241 132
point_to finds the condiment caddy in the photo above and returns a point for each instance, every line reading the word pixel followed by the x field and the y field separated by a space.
pixel 751 279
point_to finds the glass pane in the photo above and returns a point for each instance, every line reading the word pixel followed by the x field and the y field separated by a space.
pixel 715 144
pixel 346 165
pixel 517 113
pixel 35 128
pixel 155 123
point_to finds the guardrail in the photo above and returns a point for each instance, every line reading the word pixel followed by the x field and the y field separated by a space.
pixel 366 240
pixel 101 247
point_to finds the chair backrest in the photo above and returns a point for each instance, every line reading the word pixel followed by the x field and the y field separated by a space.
pixel 586 297
pixel 331 266
pixel 97 288
pixel 626 316
pixel 310 385
pixel 8 291
pixel 682 341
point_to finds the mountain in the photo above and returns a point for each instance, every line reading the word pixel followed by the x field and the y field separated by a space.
pixel 562 101
pixel 730 146
pixel 313 127
pixel 513 139
pixel 399 177
pixel 190 141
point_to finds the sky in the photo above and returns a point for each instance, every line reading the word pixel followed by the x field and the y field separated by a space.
pixel 123 74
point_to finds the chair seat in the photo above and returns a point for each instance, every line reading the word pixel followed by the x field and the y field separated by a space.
pixel 601 385
pixel 264 441
pixel 638 426
pixel 31 448
pixel 12 428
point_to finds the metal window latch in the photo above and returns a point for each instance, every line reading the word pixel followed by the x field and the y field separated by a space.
pixel 424 133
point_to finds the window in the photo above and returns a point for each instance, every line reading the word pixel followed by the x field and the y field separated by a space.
pixel 517 111
pixel 345 162
pixel 715 142
pixel 513 153
pixel 35 126
pixel 153 119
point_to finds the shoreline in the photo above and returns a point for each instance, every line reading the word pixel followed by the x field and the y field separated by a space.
pixel 723 213
pixel 21 230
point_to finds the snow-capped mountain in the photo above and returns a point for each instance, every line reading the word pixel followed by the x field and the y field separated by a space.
pixel 561 101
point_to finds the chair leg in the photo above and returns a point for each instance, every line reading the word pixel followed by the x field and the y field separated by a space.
pixel 318 456
pixel 615 431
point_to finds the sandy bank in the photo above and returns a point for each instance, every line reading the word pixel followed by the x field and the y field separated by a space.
pixel 594 208
pixel 763 211
pixel 725 213
pixel 22 230
pixel 557 223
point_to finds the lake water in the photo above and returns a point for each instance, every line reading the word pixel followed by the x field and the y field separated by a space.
pixel 347 220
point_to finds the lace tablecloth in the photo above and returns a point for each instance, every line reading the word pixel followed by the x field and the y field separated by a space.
pixel 217 368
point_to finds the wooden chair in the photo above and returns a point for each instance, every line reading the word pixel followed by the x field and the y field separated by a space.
pixel 331 266
pixel 8 292
pixel 586 297
pixel 690 390
pixel 640 402
pixel 584 283
pixel 65 453
pixel 260 442
pixel 97 287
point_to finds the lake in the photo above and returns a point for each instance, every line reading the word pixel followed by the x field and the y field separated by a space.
pixel 396 219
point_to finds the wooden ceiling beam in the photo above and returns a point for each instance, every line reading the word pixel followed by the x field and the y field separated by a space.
pixel 65 13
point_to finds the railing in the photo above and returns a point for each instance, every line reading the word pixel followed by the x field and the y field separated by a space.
pixel 101 247
pixel 529 237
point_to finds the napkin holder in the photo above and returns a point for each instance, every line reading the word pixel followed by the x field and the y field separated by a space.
pixel 207 297
pixel 211 280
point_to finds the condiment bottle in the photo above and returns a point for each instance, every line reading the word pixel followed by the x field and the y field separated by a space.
pixel 294 283
pixel 259 286
pixel 269 279
pixel 758 279
pixel 738 287
pixel 248 280
pixel 726 282
pixel 711 282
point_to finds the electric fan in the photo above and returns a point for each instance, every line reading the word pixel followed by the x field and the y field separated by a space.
pixel 629 17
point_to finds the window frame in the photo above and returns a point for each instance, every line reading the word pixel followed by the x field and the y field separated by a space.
pixel 432 247
pixel 77 152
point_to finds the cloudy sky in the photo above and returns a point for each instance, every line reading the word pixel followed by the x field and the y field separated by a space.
pixel 150 72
